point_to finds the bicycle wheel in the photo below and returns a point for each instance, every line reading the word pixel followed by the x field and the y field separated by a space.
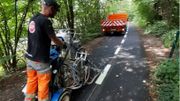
pixel 66 78
pixel 70 77
pixel 65 96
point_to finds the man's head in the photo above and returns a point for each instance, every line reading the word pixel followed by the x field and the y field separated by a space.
pixel 50 7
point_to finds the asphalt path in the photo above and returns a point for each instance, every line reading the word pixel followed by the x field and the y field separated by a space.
pixel 125 73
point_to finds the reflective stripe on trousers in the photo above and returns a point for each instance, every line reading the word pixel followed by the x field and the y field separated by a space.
pixel 38 66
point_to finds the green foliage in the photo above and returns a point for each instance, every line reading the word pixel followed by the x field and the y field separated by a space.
pixel 88 16
pixel 12 27
pixel 158 28
pixel 89 36
pixel 156 10
pixel 167 80
pixel 5 58
pixel 169 37
pixel 117 6
pixel 157 17
pixel 140 22
pixel 143 12
pixel 162 30
pixel 168 10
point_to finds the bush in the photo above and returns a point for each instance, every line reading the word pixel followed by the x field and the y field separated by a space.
pixel 169 37
pixel 143 12
pixel 158 28
pixel 167 80
pixel 162 30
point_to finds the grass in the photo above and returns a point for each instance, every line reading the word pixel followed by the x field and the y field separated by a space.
pixel 89 36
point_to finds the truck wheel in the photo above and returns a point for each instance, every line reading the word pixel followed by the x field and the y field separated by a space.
pixel 65 96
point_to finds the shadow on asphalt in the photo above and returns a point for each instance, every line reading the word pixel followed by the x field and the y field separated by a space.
pixel 120 34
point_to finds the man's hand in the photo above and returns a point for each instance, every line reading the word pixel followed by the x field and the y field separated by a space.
pixel 56 40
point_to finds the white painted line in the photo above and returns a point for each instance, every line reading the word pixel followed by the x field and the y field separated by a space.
pixel 125 36
pixel 127 28
pixel 117 50
pixel 103 74
pixel 122 42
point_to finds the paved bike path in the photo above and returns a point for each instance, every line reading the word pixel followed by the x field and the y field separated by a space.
pixel 126 79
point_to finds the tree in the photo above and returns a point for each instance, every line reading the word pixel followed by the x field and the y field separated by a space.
pixel 70 12
pixel 169 10
pixel 13 17
pixel 65 17
pixel 81 15
pixel 156 10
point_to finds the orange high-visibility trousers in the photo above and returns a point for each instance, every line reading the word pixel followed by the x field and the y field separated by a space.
pixel 37 83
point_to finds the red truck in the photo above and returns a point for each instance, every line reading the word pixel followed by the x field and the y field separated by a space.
pixel 114 23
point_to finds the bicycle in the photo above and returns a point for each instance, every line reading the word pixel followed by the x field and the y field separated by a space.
pixel 77 68
pixel 70 72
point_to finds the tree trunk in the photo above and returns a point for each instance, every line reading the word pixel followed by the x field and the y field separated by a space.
pixel 9 47
pixel 70 13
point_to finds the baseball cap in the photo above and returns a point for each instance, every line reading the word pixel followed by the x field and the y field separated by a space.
pixel 51 3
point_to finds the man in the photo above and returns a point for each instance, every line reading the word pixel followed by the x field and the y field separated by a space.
pixel 40 35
